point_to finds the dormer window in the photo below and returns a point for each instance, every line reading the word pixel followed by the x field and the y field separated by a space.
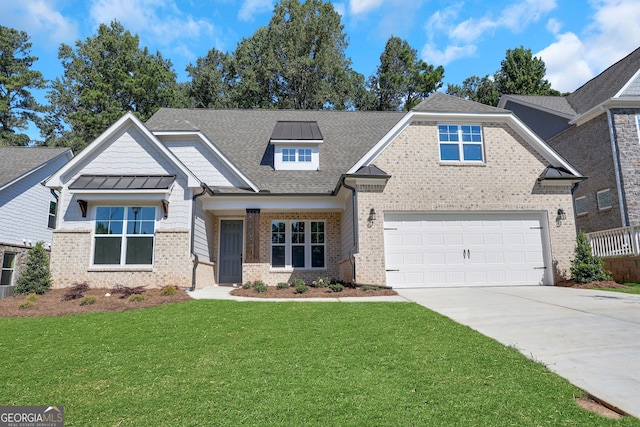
pixel 296 145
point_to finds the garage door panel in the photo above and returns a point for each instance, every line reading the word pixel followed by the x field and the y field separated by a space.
pixel 464 249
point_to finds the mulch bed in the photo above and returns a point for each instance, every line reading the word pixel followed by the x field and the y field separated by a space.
pixel 273 292
pixel 593 285
pixel 51 303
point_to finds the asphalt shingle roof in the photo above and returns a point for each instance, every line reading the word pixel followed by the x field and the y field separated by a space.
pixel 555 103
pixel 243 137
pixel 17 161
pixel 439 102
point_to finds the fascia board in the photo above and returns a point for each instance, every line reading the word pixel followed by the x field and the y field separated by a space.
pixel 623 102
pixel 296 141
pixel 127 120
pixel 216 151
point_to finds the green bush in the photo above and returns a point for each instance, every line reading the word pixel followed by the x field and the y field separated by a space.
pixel 26 304
pixel 297 282
pixel 322 282
pixel 301 288
pixel 369 288
pixel 137 298
pixel 88 301
pixel 247 285
pixel 31 297
pixel 168 291
pixel 282 285
pixel 259 286
pixel 586 267
pixel 36 277
pixel 336 287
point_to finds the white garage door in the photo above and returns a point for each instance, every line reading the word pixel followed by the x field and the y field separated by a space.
pixel 480 249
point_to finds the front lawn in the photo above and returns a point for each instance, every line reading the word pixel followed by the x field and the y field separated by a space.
pixel 228 363
pixel 632 288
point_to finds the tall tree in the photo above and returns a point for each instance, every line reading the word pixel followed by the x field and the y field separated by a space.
pixel 297 61
pixel 402 79
pixel 104 76
pixel 477 89
pixel 521 73
pixel 18 107
pixel 210 80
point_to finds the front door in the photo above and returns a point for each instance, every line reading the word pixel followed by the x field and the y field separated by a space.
pixel 230 251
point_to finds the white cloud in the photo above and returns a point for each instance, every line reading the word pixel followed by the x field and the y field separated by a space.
pixel 340 8
pixel 251 8
pixel 40 20
pixel 159 19
pixel 443 57
pixel 363 6
pixel 554 26
pixel 612 34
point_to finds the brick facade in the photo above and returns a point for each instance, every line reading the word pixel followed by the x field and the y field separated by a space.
pixel 507 181
pixel 71 262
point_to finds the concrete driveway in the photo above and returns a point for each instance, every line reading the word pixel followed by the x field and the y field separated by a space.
pixel 591 338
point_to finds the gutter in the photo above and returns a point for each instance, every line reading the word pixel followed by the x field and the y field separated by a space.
pixel 205 189
pixel 354 248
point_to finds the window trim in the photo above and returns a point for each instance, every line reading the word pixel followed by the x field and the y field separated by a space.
pixel 461 143
pixel 288 245
pixel 52 215
pixel 586 210
pixel 124 236
pixel 604 208
pixel 11 269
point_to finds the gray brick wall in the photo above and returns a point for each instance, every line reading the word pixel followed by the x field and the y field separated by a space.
pixel 626 135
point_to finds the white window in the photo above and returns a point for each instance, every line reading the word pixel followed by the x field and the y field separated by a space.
pixel 124 235
pixel 304 154
pixel 604 199
pixel 460 143
pixel 288 154
pixel 52 215
pixel 581 206
pixel 296 155
pixel 298 244
pixel 8 267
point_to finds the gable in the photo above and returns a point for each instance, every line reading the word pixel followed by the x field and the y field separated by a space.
pixel 544 124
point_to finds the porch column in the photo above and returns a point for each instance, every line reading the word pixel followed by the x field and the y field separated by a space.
pixel 252 250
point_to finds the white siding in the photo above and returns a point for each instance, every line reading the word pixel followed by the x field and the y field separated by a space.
pixel 129 153
pixel 24 207
pixel 202 229
pixel 203 163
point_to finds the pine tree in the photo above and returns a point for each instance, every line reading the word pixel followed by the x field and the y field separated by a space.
pixel 36 277
pixel 586 267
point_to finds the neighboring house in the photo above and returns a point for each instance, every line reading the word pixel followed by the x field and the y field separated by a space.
pixel 596 129
pixel 453 193
pixel 27 208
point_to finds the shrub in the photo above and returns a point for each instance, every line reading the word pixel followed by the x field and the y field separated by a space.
pixel 88 301
pixel 168 291
pixel 31 297
pixel 301 288
pixel 369 288
pixel 26 304
pixel 127 292
pixel 297 282
pixel 259 286
pixel 36 277
pixel 282 285
pixel 336 287
pixel 322 282
pixel 137 297
pixel 76 291
pixel 247 285
pixel 586 267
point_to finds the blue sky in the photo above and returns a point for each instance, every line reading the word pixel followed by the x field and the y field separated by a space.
pixel 576 39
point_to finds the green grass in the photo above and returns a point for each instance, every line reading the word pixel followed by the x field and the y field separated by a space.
pixel 635 289
pixel 227 363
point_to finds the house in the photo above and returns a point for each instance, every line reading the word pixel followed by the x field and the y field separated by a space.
pixel 453 193
pixel 596 129
pixel 27 208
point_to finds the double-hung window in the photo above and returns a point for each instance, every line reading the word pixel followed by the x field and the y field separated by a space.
pixel 8 266
pixel 460 143
pixel 124 235
pixel 51 223
pixel 298 244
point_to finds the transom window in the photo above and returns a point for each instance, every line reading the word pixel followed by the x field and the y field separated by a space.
pixel 8 267
pixel 460 143
pixel 124 235
pixel 296 154
pixel 298 244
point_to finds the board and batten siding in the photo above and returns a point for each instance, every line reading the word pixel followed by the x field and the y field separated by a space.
pixel 24 207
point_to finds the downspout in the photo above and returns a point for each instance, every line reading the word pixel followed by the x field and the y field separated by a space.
pixel 354 249
pixel 193 223
pixel 616 167
pixel 573 202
